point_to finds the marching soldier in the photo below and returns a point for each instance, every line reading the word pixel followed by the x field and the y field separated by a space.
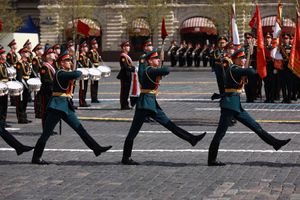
pixel 269 80
pixel 147 47
pixel 60 107
pixel 189 55
pixel 12 59
pixel 125 75
pixel 57 51
pixel 23 74
pixel 180 54
pixel 217 66
pixel 147 106
pixel 94 56
pixel 4 78
pixel 231 108
pixel 172 53
pixel 85 63
pixel 251 88
pixel 197 52
pixel 47 74
pixel 37 63
pixel 205 55
pixel 287 74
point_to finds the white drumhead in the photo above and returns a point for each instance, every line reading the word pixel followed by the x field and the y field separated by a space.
pixel 2 84
pixel 34 81
pixel 94 71
pixel 104 69
pixel 14 85
pixel 83 71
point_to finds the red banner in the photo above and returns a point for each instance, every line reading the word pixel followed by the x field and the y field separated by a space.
pixel 1 26
pixel 294 60
pixel 83 28
pixel 261 56
pixel 164 32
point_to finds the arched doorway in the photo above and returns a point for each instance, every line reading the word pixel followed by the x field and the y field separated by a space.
pixel 269 22
pixel 138 33
pixel 198 30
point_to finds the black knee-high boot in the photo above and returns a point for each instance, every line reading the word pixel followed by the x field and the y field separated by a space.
pixel 126 160
pixel 37 154
pixel 14 143
pixel 269 139
pixel 92 144
pixel 183 134
pixel 212 154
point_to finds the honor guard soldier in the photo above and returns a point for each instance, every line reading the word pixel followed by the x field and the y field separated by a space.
pixel 30 54
pixel 13 142
pixel 217 66
pixel 287 74
pixel 147 106
pixel 60 107
pixel 3 78
pixel 229 48
pixel 94 57
pixel 231 108
pixel 37 63
pixel 57 51
pixel 212 49
pixel 189 55
pixel 23 74
pixel 252 87
pixel 47 74
pixel 147 47
pixel 205 55
pixel 270 79
pixel 12 59
pixel 125 75
pixel 85 63
pixel 180 54
pixel 172 53
pixel 197 52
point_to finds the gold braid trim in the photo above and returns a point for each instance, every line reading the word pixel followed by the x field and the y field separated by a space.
pixel 243 80
pixel 158 82
pixel 4 74
pixel 58 81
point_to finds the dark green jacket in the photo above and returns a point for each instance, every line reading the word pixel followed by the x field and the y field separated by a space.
pixel 148 100
pixel 142 67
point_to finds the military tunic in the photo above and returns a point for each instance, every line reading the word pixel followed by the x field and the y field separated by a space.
pixel 37 63
pixel 172 49
pixel 270 79
pixel 12 58
pixel 85 63
pixel 189 56
pixel 95 59
pixel 205 56
pixel 4 98
pixel 181 57
pixel 142 67
pixel 197 57
pixel 219 70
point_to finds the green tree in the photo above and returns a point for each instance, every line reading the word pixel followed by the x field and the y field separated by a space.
pixel 9 18
pixel 220 14
pixel 152 11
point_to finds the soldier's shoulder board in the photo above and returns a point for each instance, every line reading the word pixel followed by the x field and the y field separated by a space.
pixel 43 71
pixel 123 59
pixel 19 66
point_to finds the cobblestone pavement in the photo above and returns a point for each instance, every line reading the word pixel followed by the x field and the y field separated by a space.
pixel 170 168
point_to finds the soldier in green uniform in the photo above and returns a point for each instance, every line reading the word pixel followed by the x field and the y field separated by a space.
pixel 231 108
pixel 13 142
pixel 23 74
pixel 94 56
pixel 37 63
pixel 147 47
pixel 172 53
pixel 269 80
pixel 125 75
pixel 3 78
pixel 83 84
pixel 147 106
pixel 217 66
pixel 60 107
pixel 12 59
pixel 286 78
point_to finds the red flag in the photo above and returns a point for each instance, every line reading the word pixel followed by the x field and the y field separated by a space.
pixel 261 56
pixel 164 32
pixel 83 28
pixel 252 22
pixel 294 60
pixel 1 26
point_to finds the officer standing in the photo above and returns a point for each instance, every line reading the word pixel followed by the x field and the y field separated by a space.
pixel 217 66
pixel 231 108
pixel 125 75
pixel 147 106
pixel 94 56
pixel 60 107
pixel 23 74
pixel 3 78
pixel 85 63
pixel 172 53
pixel 269 80
pixel 37 63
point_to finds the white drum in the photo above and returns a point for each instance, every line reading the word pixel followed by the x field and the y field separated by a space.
pixel 3 89
pixel 34 84
pixel 11 73
pixel 15 88
pixel 105 70
pixel 84 75
pixel 95 74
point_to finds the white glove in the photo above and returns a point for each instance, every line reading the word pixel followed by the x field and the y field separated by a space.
pixel 250 66
pixel 136 69
pixel 275 71
pixel 213 72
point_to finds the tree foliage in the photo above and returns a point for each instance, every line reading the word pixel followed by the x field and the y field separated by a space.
pixel 9 18
pixel 152 11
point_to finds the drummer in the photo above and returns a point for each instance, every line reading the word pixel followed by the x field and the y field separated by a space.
pixel 12 59
pixel 28 45
pixel 94 56
pixel 37 63
pixel 85 63
pixel 23 73
pixel 4 78
pixel 47 73
pixel 57 51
